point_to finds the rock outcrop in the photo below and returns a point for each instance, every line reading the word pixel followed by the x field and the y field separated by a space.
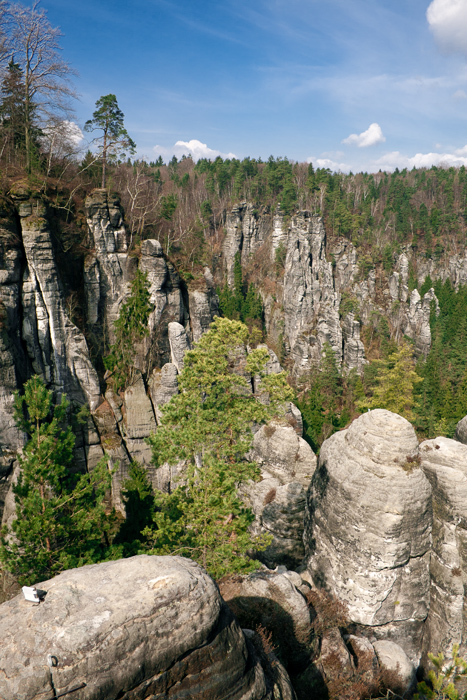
pixel 444 462
pixel 167 298
pixel 311 304
pixel 14 363
pixel 278 500
pixel 134 628
pixel 275 601
pixel 57 349
pixel 394 664
pixel 461 431
pixel 368 533
pixel 107 269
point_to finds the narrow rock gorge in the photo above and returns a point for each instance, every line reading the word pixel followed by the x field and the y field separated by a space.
pixel 376 520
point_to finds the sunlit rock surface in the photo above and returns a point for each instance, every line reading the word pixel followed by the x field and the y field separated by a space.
pixel 136 628
pixel 368 534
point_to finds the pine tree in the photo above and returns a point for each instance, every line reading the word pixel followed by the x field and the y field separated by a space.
pixel 130 328
pixel 396 379
pixel 61 520
pixel 115 140
pixel 208 426
pixel 321 403
pixel 12 112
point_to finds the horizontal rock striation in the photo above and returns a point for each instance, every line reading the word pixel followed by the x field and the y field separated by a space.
pixel 444 462
pixel 135 628
pixel 368 530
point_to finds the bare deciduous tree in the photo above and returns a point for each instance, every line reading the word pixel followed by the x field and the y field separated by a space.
pixel 140 197
pixel 47 88
pixel 4 42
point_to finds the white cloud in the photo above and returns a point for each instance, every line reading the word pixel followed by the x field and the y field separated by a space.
pixel 370 137
pixel 448 22
pixel 61 137
pixel 194 148
pixel 460 95
pixel 395 159
pixel 333 165
pixel 73 132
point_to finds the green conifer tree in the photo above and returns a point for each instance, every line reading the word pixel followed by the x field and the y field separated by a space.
pixel 61 519
pixel 208 426
pixel 396 379
pixel 130 328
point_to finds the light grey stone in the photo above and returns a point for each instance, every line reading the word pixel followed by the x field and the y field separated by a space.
pixel 130 628
pixel 107 270
pixel 179 344
pixel 354 351
pixel 444 462
pixel 271 599
pixel 368 528
pixel 139 420
pixel 283 454
pixel 163 385
pixel 245 233
pixel 393 660
pixel 311 304
pixel 58 350
pixel 204 306
pixel 278 500
pixel 461 431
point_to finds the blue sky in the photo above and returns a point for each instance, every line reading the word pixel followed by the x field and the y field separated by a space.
pixel 349 84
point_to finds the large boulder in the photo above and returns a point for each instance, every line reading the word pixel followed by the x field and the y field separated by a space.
pixel 368 533
pixel 135 628
pixel 275 601
pixel 444 462
pixel 163 384
pixel 398 673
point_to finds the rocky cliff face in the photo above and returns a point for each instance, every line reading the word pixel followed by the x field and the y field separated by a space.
pixel 38 336
pixel 386 533
pixel 444 462
pixel 306 300
pixel 278 500
pixel 384 527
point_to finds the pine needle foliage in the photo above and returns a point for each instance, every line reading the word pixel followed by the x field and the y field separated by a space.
pixel 396 379
pixel 61 519
pixel 208 426
pixel 443 678
pixel 131 327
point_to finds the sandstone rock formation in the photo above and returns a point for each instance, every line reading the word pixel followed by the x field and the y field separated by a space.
pixel 167 297
pixel 368 530
pixel 394 663
pixel 444 462
pixel 245 233
pixel 273 600
pixel 134 628
pixel 57 349
pixel 278 500
pixel 162 386
pixel 461 431
pixel 107 269
pixel 309 294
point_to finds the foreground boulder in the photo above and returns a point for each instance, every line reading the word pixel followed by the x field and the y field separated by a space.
pixel 368 535
pixel 136 628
